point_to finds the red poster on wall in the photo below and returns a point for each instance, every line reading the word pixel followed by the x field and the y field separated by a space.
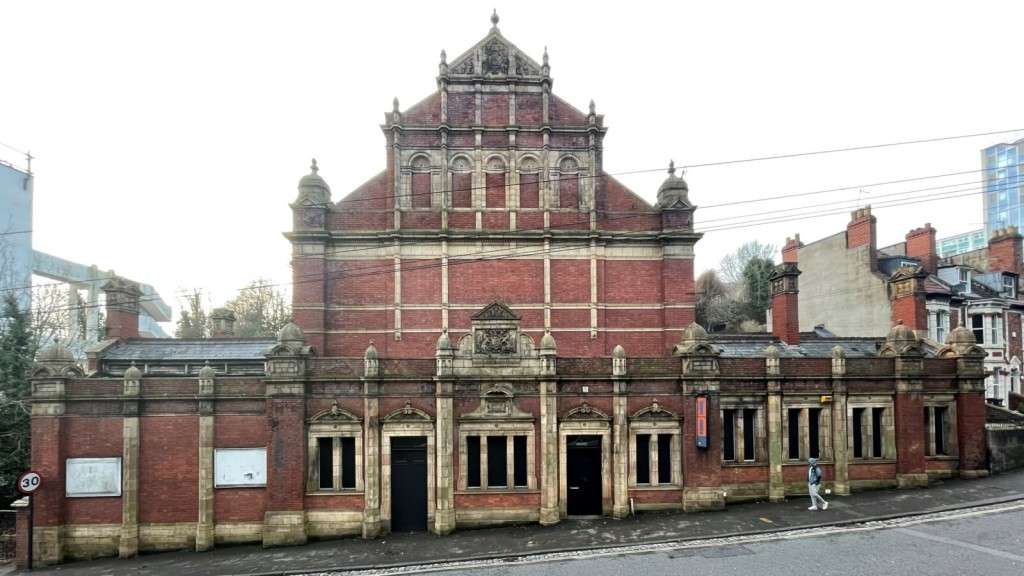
pixel 702 422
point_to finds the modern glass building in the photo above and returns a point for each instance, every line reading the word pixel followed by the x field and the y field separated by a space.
pixel 961 243
pixel 1004 193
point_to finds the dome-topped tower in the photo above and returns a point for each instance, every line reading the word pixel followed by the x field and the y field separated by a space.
pixel 313 189
pixel 674 193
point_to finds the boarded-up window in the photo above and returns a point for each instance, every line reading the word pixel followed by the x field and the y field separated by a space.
pixel 569 191
pixel 495 190
pixel 462 190
pixel 421 189
pixel 529 190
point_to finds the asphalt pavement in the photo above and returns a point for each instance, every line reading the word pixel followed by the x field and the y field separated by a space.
pixel 595 534
pixel 978 543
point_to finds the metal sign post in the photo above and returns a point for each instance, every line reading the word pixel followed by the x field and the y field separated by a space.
pixel 28 483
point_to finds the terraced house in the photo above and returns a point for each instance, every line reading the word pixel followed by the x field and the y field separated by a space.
pixel 489 330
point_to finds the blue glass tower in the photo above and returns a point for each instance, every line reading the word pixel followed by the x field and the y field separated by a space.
pixel 1004 193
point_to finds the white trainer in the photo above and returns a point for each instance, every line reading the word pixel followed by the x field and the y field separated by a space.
pixel 813 508
pixel 824 506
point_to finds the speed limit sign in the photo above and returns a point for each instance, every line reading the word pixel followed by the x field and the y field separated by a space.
pixel 29 482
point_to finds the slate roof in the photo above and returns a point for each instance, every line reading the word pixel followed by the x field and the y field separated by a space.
pixel 753 345
pixel 180 350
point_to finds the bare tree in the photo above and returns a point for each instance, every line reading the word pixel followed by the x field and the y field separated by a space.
pixel 260 309
pixel 731 267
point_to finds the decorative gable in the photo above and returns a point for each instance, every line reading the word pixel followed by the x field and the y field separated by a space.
pixel 495 56
pixel 496 311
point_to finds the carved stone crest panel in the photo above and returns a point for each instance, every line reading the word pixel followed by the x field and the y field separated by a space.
pixel 496 341
pixel 495 58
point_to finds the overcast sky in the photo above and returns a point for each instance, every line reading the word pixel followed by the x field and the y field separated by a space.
pixel 170 136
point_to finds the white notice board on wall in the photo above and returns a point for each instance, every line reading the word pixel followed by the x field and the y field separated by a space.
pixel 239 467
pixel 92 477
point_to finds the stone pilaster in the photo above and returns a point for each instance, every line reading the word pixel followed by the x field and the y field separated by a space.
pixel 970 401
pixel 840 453
pixel 205 525
pixel 284 522
pixel 549 513
pixel 620 451
pixel 129 542
pixel 702 465
pixel 444 511
pixel 910 432
pixel 371 447
pixel 54 365
pixel 776 484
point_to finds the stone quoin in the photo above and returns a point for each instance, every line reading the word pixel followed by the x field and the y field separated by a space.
pixel 490 330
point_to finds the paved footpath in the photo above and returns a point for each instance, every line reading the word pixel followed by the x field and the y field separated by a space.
pixel 406 549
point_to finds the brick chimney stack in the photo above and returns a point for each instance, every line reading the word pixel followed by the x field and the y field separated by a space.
pixel 122 308
pixel 1004 250
pixel 861 232
pixel 921 245
pixel 785 294
pixel 907 297
pixel 791 250
pixel 223 320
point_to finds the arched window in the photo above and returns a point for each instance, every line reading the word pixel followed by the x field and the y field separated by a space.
pixel 529 183
pixel 420 192
pixel 495 197
pixel 568 183
pixel 462 183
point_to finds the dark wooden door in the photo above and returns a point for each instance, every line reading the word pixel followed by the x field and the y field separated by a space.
pixel 583 475
pixel 408 483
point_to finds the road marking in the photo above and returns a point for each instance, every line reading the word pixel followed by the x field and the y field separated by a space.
pixel 960 543
pixel 695 545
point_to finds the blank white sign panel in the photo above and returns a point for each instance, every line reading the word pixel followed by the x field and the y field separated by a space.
pixel 92 477
pixel 240 467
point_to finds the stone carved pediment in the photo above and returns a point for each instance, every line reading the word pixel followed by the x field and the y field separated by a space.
pixel 407 413
pixel 496 311
pixel 654 412
pixel 334 415
pixel 497 402
pixel 586 412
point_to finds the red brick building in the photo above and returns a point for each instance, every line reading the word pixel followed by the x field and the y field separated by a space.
pixel 490 330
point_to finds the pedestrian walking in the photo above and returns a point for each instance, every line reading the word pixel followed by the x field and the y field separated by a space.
pixel 814 484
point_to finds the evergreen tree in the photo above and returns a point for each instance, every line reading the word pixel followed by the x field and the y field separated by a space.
pixel 17 351
pixel 758 289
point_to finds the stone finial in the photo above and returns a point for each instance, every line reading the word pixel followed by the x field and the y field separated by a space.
pixel 132 378
pixel 593 108
pixel 443 342
pixel 494 20
pixel 394 105
pixel 313 189
pixel 671 167
pixel 545 68
pixel 206 377
pixel 547 353
pixel 133 372
pixel 771 360
pixel 547 342
pixel 291 336
pixel 444 57
pixel 443 66
pixel 371 363
pixel 838 360
pixel 207 372
pixel 545 57
pixel 618 361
